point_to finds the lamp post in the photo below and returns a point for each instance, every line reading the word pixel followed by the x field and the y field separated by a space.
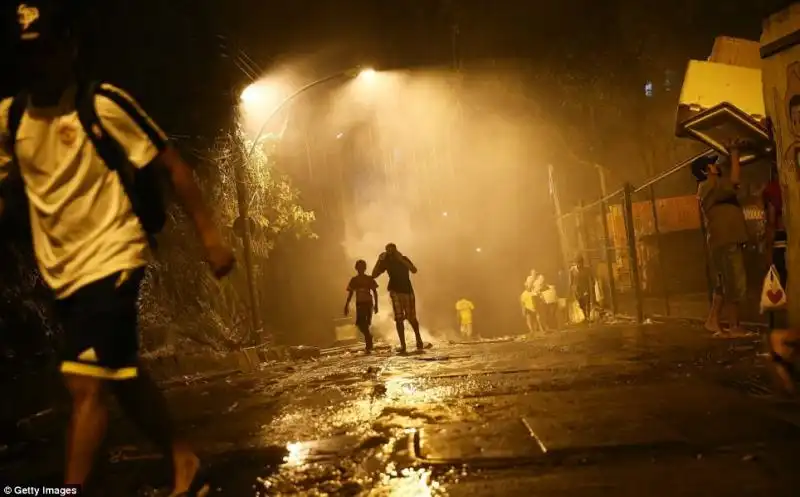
pixel 349 73
pixel 241 187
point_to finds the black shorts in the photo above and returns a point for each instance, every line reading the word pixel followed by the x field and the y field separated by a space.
pixel 101 336
pixel 364 314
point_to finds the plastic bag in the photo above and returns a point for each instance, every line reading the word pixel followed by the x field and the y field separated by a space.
pixel 773 296
pixel 576 315
pixel 598 292
pixel 549 295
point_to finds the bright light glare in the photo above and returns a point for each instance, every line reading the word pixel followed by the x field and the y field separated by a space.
pixel 478 250
pixel 444 213
pixel 249 94
pixel 367 74
pixel 339 136
pixel 297 454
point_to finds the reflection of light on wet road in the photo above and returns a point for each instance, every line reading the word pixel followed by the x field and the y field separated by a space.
pixel 407 482
pixel 400 387
pixel 297 454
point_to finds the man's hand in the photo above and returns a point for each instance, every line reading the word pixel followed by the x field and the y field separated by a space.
pixel 346 310
pixel 737 145
pixel 375 309
pixel 218 255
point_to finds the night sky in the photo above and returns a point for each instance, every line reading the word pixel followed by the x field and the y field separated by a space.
pixel 168 53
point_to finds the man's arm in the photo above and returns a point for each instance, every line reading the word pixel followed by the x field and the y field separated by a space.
pixel 379 268
pixel 375 299
pixel 716 191
pixel 407 263
pixel 189 195
pixel 144 144
pixel 347 302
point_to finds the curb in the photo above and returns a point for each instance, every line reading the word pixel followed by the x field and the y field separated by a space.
pixel 169 367
pixel 748 324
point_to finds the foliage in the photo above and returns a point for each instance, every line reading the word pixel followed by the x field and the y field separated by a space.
pixel 181 301
pixel 182 306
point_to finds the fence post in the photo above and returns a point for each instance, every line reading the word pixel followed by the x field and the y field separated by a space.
pixel 579 230
pixel 633 257
pixel 609 254
pixel 660 248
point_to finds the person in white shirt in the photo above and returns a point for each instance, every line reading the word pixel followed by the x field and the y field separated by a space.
pixel 90 246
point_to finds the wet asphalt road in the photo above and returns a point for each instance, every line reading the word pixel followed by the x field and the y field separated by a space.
pixel 660 410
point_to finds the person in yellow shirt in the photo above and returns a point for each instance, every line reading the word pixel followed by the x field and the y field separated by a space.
pixel 464 308
pixel 527 300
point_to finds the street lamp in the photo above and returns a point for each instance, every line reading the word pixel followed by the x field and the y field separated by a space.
pixel 366 74
pixel 252 95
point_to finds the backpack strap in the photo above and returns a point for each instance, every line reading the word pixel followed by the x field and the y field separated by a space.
pixel 107 147
pixel 15 113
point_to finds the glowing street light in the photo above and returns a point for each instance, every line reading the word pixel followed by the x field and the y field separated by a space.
pixel 249 94
pixel 444 214
pixel 367 74
pixel 478 250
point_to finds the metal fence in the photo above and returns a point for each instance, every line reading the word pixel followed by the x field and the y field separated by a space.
pixel 647 246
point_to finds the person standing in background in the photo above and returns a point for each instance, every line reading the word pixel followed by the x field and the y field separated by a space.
pixel 581 284
pixel 464 309
pixel 528 304
pixel 727 234
pixel 366 291
pixel 400 268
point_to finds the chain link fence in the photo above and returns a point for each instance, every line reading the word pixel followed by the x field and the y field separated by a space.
pixel 646 245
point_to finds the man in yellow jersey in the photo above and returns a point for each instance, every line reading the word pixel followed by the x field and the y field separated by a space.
pixel 464 309
pixel 529 311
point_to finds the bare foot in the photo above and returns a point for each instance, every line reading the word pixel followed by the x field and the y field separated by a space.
pixel 186 465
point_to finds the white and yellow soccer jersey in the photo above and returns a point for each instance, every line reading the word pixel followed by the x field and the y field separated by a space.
pixel 82 222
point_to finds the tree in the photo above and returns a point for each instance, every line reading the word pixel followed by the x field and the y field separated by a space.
pixel 181 301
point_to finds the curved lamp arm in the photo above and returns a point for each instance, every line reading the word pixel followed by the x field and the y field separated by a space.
pixel 287 100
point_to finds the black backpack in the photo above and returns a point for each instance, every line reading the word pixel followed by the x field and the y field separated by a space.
pixel 141 185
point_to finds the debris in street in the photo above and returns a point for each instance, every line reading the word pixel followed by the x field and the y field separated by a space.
pixel 434 358
pixel 373 442
pixel 130 453
pixel 379 390
pixel 233 407
pixel 300 352
pixel 30 418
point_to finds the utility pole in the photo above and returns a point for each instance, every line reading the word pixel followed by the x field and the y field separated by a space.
pixel 609 251
pixel 242 224
pixel 562 239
